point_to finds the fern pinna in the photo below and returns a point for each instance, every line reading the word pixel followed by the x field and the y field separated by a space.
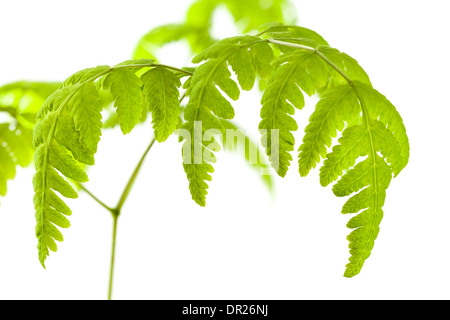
pixel 288 61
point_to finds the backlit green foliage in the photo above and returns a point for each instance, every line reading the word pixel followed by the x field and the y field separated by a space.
pixel 19 102
pixel 196 28
pixel 287 61
pixel 374 137
pixel 207 104
pixel 373 147
pixel 161 93
pixel 66 136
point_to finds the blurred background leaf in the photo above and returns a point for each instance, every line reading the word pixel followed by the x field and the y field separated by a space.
pixel 196 28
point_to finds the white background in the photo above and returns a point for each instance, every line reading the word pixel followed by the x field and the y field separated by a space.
pixel 246 244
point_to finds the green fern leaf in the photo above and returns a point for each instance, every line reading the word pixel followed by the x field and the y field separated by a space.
pixel 197 154
pixel 295 70
pixel 66 134
pixel 379 107
pixel 161 92
pixel 237 51
pixel 86 106
pixel 373 174
pixel 334 109
pixel 382 152
pixel 207 105
pixel 85 74
pixel 125 88
pixel 262 56
pixel 374 132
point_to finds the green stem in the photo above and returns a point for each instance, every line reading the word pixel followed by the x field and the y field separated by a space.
pixel 292 45
pixel 172 68
pixel 317 52
pixel 334 66
pixel 116 211
pixel 111 272
pixel 130 183
pixel 95 198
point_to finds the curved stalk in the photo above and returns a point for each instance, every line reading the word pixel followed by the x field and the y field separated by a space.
pixel 133 177
pixel 117 210
pixel 95 198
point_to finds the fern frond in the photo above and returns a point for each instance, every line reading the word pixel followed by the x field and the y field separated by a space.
pixel 198 157
pixel 334 109
pixel 69 127
pixel 126 90
pixel 161 92
pixel 61 145
pixel 379 107
pixel 373 148
pixel 206 103
pixel 372 175
pixel 369 137
pixel 294 71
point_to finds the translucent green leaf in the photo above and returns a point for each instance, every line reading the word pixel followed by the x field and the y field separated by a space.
pixel 161 93
pixel 126 90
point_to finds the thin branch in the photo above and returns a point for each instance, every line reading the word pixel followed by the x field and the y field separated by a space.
pixel 113 250
pixel 130 183
pixel 172 68
pixel 183 96
pixel 274 27
pixel 290 44
pixel 95 198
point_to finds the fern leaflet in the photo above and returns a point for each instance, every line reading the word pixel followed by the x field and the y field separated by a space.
pixel 125 88
pixel 207 105
pixel 161 92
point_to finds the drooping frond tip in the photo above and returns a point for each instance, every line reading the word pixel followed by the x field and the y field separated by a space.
pixel 373 148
